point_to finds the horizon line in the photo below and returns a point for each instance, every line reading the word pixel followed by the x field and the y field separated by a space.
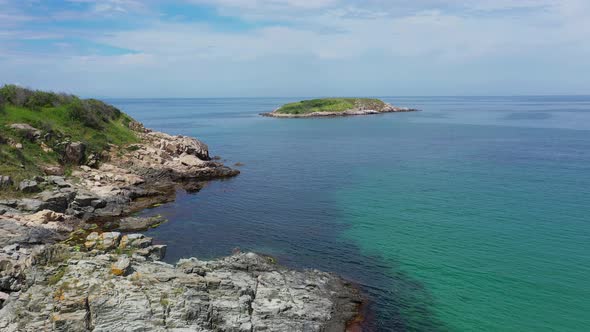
pixel 376 96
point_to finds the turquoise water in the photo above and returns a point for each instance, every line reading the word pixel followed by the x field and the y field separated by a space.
pixel 470 215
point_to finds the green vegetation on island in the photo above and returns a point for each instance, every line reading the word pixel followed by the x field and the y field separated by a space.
pixel 331 105
pixel 37 128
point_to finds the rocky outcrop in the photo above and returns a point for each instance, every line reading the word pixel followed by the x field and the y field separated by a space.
pixel 110 281
pixel 28 131
pixel 147 173
pixel 29 186
pixel 106 291
pixel 74 153
pixel 180 145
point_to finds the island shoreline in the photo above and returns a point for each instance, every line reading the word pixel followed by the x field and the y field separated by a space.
pixel 386 108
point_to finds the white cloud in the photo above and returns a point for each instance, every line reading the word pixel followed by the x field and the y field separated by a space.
pixel 380 41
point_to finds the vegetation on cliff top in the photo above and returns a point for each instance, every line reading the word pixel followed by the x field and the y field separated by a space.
pixel 330 105
pixel 58 120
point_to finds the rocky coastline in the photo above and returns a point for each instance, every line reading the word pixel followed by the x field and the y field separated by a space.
pixel 387 108
pixel 67 263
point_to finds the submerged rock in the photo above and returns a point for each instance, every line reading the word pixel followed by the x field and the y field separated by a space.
pixel 134 224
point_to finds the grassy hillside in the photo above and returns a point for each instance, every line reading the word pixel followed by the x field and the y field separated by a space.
pixel 330 105
pixel 59 119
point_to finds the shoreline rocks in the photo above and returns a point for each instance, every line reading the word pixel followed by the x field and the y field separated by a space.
pixel 102 290
pixel 109 281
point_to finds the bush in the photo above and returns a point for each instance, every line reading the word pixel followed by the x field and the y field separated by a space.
pixel 39 99
pixel 93 113
pixel 12 95
pixel 33 99
pixel 80 112
pixel 104 111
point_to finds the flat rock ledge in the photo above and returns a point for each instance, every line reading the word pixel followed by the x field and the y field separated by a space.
pixel 352 112
pixel 118 286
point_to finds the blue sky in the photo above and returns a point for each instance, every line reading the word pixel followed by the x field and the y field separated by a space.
pixel 217 48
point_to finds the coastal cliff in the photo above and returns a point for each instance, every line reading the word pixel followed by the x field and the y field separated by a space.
pixel 331 107
pixel 67 192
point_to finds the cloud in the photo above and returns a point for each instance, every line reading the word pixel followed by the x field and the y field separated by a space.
pixel 339 43
pixel 111 6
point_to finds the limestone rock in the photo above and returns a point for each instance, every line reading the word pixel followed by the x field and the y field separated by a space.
pixel 105 241
pixel 29 186
pixel 177 145
pixel 27 130
pixel 56 201
pixel 244 292
pixel 74 153
pixel 121 267
pixel 134 224
pixel 58 181
pixel 53 170
pixel 45 216
pixel 190 160
pixel 110 240
pixel 135 241
pixel 31 205
pixel 84 199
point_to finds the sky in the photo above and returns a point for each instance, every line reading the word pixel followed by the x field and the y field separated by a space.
pixel 288 48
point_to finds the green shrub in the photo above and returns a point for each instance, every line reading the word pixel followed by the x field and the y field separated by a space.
pixel 81 113
pixel 39 99
pixel 330 105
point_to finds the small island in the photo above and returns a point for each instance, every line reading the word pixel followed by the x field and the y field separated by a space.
pixel 335 107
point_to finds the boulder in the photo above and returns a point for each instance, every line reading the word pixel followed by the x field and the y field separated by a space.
pixel 156 252
pixel 5 181
pixel 56 201
pixel 45 216
pixel 122 267
pixel 109 240
pixel 31 205
pixel 13 203
pixel 190 160
pixel 92 240
pixel 74 153
pixel 27 130
pixel 135 241
pixel 84 199
pixel 98 203
pixel 177 145
pixel 93 160
pixel 53 170
pixel 58 181
pixel 29 186
pixel 134 224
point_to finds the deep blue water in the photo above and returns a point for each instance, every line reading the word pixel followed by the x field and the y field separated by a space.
pixel 470 215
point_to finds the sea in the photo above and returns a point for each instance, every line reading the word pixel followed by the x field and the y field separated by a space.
pixel 471 215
